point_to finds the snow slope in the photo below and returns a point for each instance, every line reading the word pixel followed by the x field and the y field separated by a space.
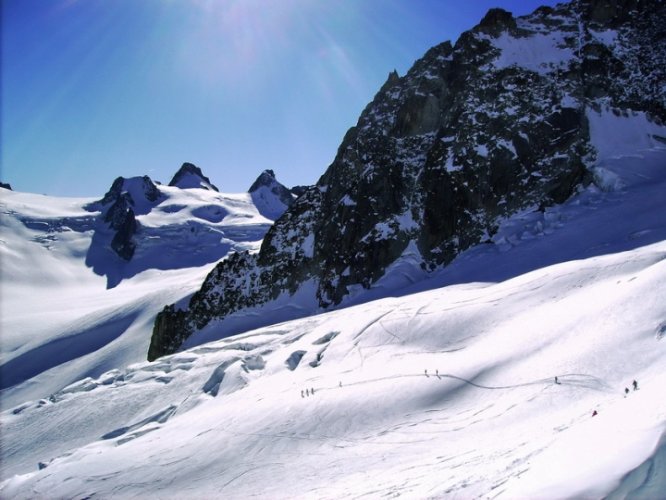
pixel 71 308
pixel 577 292
pixel 229 418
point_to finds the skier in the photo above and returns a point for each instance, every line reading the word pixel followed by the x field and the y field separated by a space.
pixel 312 391
pixel 626 391
pixel 302 395
pixel 437 373
pixel 635 385
pixel 307 392
pixel 340 384
pixel 426 372
pixel 594 413
pixel 557 381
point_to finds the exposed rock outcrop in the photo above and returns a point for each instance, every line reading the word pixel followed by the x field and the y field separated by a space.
pixel 474 132
pixel 299 190
pixel 119 207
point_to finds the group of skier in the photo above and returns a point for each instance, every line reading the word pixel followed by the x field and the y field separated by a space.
pixel 634 384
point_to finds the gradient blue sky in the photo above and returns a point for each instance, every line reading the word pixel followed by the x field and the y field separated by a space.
pixel 95 89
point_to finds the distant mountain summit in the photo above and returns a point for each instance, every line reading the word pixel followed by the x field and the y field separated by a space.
pixel 149 225
pixel 500 122
pixel 269 196
pixel 190 176
pixel 119 208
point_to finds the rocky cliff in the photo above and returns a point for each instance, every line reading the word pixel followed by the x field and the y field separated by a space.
pixel 474 132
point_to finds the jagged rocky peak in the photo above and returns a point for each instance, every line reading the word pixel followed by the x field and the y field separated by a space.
pixel 268 181
pixel 5 185
pixel 137 190
pixel 120 205
pixel 497 21
pixel 189 176
pixel 475 132
pixel 269 196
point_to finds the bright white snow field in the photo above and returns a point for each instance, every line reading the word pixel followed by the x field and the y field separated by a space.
pixel 577 292
pixel 71 308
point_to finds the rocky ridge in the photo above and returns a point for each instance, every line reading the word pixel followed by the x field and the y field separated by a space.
pixel 476 131
pixel 128 199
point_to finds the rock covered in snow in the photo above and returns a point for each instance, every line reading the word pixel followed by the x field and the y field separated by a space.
pixel 476 131
pixel 120 205
pixel 269 196
pixel 190 176
pixel 139 189
pixel 5 185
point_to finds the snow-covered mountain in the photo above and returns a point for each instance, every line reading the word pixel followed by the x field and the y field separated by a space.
pixel 190 176
pixel 82 279
pixel 497 303
pixel 340 404
pixel 269 196
pixel 513 117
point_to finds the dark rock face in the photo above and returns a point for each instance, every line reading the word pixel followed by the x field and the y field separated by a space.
pixel 190 176
pixel 5 185
pixel 123 243
pixel 496 21
pixel 472 134
pixel 299 190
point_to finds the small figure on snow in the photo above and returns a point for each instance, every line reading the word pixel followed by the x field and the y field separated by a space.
pixel 437 373
pixel 312 391
pixel 302 395
pixel 307 392
pixel 594 413
pixel 341 384
pixel 626 391
pixel 557 381
pixel 426 372
pixel 635 384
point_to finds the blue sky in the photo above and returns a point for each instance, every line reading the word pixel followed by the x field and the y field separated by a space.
pixel 95 89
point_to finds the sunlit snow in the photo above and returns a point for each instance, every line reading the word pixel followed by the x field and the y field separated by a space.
pixel 442 387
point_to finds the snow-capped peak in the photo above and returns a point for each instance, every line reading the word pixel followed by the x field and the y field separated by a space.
pixel 269 196
pixel 189 176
